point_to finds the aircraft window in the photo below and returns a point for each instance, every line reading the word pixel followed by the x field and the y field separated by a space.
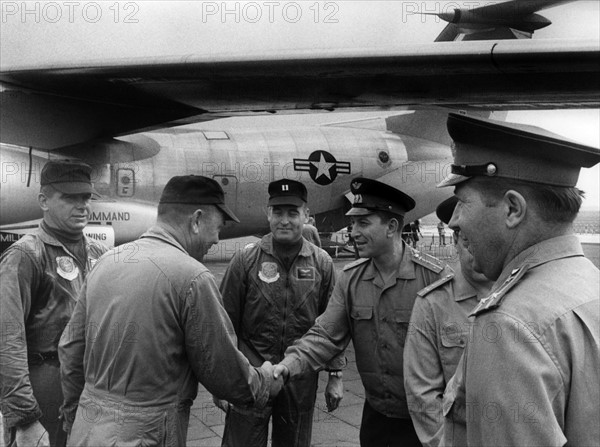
pixel 216 135
pixel 384 157
pixel 225 181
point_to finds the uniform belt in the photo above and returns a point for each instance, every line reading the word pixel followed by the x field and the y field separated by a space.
pixel 36 358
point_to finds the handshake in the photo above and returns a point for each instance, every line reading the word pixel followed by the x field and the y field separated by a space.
pixel 280 375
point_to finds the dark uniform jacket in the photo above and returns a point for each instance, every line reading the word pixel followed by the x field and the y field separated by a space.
pixel 375 317
pixel 39 283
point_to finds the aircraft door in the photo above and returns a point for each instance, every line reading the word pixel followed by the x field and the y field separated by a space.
pixel 229 183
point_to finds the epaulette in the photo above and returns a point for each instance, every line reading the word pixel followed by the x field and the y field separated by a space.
pixel 355 263
pixel 495 299
pixel 434 285
pixel 427 261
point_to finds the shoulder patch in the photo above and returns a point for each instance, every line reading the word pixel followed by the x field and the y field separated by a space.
pixel 495 299
pixel 434 285
pixel 355 263
pixel 427 261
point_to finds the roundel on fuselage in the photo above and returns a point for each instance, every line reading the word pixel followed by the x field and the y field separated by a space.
pixel 322 167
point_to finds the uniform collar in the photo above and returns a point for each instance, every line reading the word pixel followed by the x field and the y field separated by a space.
pixel 158 232
pixel 406 269
pixel 462 289
pixel 266 245
pixel 47 238
pixel 542 252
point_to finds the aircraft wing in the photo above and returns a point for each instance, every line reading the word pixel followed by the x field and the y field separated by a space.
pixel 52 106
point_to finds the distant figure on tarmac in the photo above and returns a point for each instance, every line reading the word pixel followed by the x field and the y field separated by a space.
pixel 415 229
pixel 441 232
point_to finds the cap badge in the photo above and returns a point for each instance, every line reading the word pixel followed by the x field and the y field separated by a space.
pixel 356 185
pixel 268 272
pixel 285 187
pixel 358 198
pixel 491 169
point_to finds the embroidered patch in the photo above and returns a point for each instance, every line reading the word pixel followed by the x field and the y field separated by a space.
pixel 305 273
pixel 268 272
pixel 66 268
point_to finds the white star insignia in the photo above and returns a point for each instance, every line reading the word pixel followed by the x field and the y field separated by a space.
pixel 323 167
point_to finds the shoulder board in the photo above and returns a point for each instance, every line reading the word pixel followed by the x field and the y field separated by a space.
pixel 434 285
pixel 495 299
pixel 427 261
pixel 355 263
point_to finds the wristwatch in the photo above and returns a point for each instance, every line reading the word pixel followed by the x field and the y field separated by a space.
pixel 337 374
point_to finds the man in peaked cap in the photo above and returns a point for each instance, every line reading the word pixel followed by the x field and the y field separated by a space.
pixel 371 305
pixel 439 331
pixel 149 325
pixel 273 292
pixel 530 371
pixel 40 278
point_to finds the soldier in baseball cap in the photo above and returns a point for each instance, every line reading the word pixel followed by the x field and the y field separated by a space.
pixel 281 281
pixel 371 196
pixel 196 190
pixel 517 200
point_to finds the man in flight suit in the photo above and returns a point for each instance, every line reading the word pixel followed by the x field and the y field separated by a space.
pixel 149 325
pixel 273 291
pixel 40 278
pixel 439 329
pixel 529 373
pixel 371 305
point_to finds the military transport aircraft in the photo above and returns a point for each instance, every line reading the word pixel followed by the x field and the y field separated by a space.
pixel 127 115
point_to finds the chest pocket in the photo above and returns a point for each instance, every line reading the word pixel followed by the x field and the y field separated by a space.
pixel 453 344
pixel 362 313
pixel 401 320
pixel 362 319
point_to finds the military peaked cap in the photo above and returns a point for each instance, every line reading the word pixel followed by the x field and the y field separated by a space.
pixel 445 209
pixel 371 195
pixel 484 147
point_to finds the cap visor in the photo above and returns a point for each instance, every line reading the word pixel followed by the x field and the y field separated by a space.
pixel 355 211
pixel 452 179
pixel 75 188
pixel 286 200
pixel 228 212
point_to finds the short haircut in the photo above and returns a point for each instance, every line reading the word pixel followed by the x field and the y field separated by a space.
pixel 557 204
pixel 175 211
pixel 386 217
